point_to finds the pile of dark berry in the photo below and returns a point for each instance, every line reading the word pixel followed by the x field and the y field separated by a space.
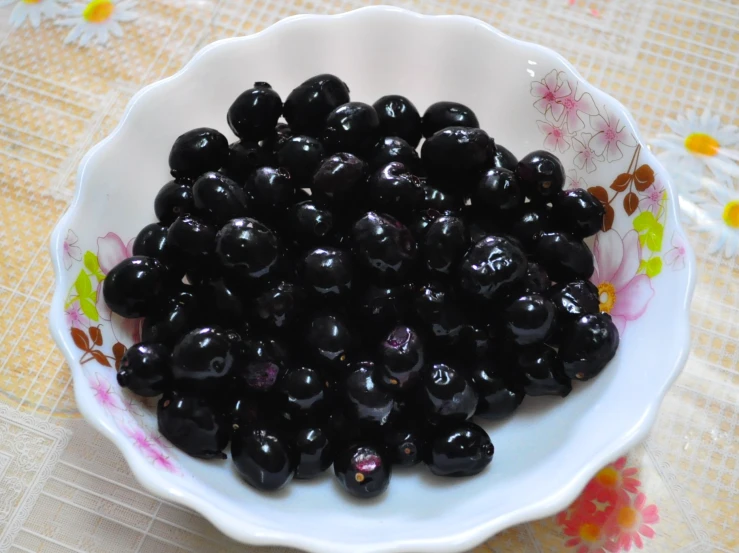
pixel 316 293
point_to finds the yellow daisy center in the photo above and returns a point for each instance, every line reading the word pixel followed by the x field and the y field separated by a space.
pixel 589 533
pixel 98 11
pixel 627 517
pixel 31 1
pixel 608 477
pixel 731 214
pixel 607 296
pixel 702 143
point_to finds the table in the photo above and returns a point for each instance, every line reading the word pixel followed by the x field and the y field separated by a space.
pixel 67 71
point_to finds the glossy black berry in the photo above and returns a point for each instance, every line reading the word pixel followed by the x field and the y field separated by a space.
pixel 280 306
pixel 303 392
pixel 474 344
pixel 339 178
pixel 308 105
pixel 503 158
pixel 244 158
pixel 329 342
pixel 352 127
pixel 438 309
pixel 135 287
pixel 249 247
pixel 363 470
pixel 314 447
pixel 441 115
pixel 498 191
pixel 537 280
pixel 393 148
pixel 529 319
pixel 444 244
pixel 406 445
pixel 218 198
pixel 479 226
pixel 327 273
pixel 380 306
pixel 588 344
pixel 456 155
pixel 281 133
pixel 394 189
pixel 174 199
pixel 202 360
pixel 462 449
pixel 178 315
pixel 221 302
pixel 247 409
pixel 310 223
pixel 447 394
pixel 498 394
pixel 192 239
pixel 542 176
pixel 575 299
pixel 200 273
pixel 151 241
pixel 384 247
pixel 301 155
pixel 270 189
pixel 539 371
pixel 433 198
pixel 401 358
pixel 578 212
pixel 563 257
pixel 196 152
pixel 420 221
pixel 366 400
pixel 260 364
pixel 492 268
pixel 193 424
pixel 399 117
pixel 255 112
pixel 144 369
pixel 529 223
pixel 263 456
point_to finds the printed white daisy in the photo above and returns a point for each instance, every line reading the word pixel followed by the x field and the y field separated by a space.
pixel 699 146
pixel 96 20
pixel 33 10
pixel 718 214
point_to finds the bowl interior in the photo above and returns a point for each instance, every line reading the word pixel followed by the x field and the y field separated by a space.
pixel 544 453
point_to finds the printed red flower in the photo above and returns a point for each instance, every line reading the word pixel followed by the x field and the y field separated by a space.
pixel 630 521
pixel 614 477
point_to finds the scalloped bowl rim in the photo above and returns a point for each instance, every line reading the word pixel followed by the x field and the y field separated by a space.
pixel 455 541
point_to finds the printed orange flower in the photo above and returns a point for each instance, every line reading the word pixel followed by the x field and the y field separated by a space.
pixel 586 537
pixel 610 515
pixel 614 477
pixel 630 522
pixel 584 522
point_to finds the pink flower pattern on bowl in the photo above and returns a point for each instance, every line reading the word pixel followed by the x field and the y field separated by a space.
pixel 93 326
pixel 628 252
pixel 609 134
pixel 624 293
pixel 574 106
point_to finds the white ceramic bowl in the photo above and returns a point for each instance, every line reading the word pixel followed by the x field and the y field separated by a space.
pixel 527 97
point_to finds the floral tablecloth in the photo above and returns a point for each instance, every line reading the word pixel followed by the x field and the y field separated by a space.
pixel 67 70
